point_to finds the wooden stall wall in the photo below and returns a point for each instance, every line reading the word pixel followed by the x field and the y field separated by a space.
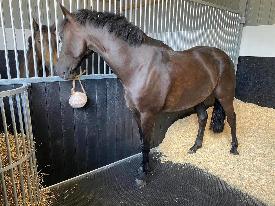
pixel 70 141
pixel 74 141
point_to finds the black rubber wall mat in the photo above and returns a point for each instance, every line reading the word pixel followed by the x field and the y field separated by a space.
pixel 256 80
pixel 169 184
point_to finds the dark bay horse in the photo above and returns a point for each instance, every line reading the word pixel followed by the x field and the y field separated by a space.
pixel 38 51
pixel 155 78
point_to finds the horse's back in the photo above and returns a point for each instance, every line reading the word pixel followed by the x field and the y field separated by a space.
pixel 194 75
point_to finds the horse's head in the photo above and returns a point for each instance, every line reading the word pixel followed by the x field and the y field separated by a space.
pixel 74 46
pixel 45 43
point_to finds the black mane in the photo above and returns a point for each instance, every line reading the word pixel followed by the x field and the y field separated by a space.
pixel 115 23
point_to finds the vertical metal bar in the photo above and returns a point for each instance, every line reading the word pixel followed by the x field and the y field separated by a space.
pixel 165 16
pixel 154 16
pixel 34 167
pixel 20 117
pixel 215 37
pixel 136 9
pixel 17 149
pixel 228 29
pixel 169 17
pixel 41 38
pixel 110 9
pixel 180 17
pixel 158 17
pixel 92 4
pixel 232 35
pixel 204 25
pixel 71 6
pixel 174 24
pixel 131 11
pixel 210 29
pixel 207 25
pixel 23 37
pixel 3 185
pixel 145 16
pixel 115 9
pixel 49 37
pixel 33 42
pixel 29 145
pixel 185 24
pixel 216 29
pixel 93 54
pixel 4 121
pixel 104 63
pixel 14 40
pixel 56 28
pixel 19 110
pixel 199 25
pixel 197 16
pixel 162 17
pixel 161 32
pixel 149 18
pixel 87 60
pixel 126 8
pixel 98 56
pixel 77 4
pixel 193 24
pixel 140 13
pixel 85 4
pixel 120 7
pixel 4 188
pixel 5 41
pixel 189 27
pixel 224 28
pixel 176 19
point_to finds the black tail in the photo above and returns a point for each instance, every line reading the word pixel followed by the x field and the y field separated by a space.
pixel 218 117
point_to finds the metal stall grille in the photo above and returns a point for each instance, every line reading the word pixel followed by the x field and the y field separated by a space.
pixel 30 48
pixel 18 170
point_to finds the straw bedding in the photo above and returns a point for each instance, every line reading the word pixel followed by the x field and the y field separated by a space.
pixel 253 171
pixel 46 198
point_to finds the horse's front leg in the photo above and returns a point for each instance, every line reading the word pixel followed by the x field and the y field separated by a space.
pixel 145 123
pixel 202 117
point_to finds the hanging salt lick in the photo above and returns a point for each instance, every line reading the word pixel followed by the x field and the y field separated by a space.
pixel 78 99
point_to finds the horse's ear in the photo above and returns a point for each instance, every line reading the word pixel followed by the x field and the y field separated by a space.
pixel 53 28
pixel 65 12
pixel 35 25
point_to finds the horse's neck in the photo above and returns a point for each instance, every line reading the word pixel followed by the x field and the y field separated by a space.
pixel 114 51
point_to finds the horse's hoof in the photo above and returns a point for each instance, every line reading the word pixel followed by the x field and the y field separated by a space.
pixel 141 183
pixel 191 151
pixel 194 149
pixel 141 179
pixel 234 151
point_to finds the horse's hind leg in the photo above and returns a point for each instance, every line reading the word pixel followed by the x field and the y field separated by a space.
pixel 231 119
pixel 202 117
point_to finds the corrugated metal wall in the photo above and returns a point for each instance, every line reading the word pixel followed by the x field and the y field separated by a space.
pixel 259 12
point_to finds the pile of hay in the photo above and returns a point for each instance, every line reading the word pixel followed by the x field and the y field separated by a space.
pixel 253 171
pixel 45 196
